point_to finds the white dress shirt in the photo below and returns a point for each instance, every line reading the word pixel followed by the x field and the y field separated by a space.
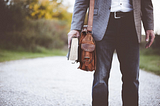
pixel 121 5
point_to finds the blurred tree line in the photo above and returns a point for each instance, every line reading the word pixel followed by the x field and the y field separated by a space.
pixel 33 24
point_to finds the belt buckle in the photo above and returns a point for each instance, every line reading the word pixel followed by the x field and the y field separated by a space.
pixel 115 15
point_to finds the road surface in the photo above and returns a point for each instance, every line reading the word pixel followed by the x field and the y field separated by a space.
pixel 54 81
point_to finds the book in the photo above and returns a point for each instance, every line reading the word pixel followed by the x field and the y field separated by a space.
pixel 73 50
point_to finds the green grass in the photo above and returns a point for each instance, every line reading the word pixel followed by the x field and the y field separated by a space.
pixel 150 61
pixel 7 55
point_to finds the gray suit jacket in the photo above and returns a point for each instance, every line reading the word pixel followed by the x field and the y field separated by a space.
pixel 142 9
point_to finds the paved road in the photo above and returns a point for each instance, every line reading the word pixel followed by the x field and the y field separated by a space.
pixel 54 81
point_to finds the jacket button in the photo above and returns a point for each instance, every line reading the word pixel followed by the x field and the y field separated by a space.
pixel 109 8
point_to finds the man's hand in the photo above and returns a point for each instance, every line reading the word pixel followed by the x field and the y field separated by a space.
pixel 72 33
pixel 149 38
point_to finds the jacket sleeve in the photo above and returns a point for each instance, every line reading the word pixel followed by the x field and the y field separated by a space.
pixel 147 14
pixel 79 12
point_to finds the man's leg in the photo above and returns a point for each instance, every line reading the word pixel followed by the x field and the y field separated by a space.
pixel 127 48
pixel 104 51
pixel 100 83
pixel 129 66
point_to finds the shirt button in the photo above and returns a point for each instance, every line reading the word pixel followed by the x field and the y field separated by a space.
pixel 120 3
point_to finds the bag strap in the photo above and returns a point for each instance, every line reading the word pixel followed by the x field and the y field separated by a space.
pixel 90 18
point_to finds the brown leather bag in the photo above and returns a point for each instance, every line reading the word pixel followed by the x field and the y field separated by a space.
pixel 87 52
pixel 87 47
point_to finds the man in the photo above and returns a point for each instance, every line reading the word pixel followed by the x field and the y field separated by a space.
pixel 116 26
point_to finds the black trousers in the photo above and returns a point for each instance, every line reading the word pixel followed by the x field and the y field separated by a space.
pixel 120 36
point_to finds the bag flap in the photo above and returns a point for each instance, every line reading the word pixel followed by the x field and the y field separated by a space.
pixel 88 47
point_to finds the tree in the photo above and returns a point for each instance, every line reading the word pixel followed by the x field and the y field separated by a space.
pixel 49 9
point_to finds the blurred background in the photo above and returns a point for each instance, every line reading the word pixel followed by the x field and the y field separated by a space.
pixel 33 24
pixel 38 28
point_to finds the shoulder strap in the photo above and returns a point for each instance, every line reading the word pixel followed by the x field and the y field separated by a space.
pixel 90 18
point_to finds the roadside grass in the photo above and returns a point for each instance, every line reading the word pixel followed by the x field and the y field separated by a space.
pixel 8 55
pixel 150 60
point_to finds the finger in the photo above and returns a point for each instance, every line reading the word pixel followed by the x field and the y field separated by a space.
pixel 69 38
pixel 151 40
pixel 147 36
pixel 147 45
pixel 69 41
pixel 69 44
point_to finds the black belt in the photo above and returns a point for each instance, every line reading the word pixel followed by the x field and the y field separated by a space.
pixel 118 15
